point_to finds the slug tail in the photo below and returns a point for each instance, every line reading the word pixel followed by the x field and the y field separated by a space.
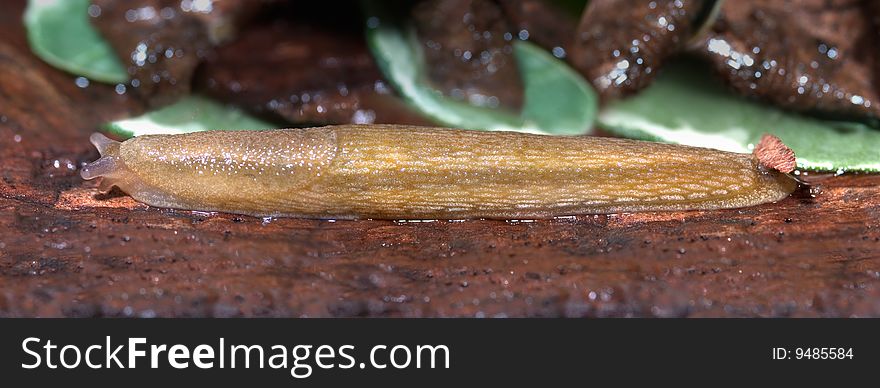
pixel 772 153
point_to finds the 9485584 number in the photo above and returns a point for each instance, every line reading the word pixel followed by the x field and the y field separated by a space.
pixel 813 353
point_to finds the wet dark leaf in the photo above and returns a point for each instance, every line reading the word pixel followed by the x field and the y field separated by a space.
pixel 557 99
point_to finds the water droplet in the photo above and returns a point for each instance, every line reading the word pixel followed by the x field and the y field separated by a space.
pixel 832 53
pixel 94 10
pixel 559 52
pixel 372 22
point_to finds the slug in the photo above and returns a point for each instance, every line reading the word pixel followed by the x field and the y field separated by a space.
pixel 404 172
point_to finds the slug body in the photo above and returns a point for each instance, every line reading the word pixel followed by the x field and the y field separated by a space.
pixel 401 172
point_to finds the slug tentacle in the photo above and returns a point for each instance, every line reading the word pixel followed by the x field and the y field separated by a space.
pixel 405 172
pixel 104 144
pixel 109 165
pixel 104 166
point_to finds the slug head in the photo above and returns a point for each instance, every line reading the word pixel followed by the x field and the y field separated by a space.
pixel 108 166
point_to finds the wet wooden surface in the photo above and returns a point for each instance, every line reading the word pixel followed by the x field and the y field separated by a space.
pixel 68 250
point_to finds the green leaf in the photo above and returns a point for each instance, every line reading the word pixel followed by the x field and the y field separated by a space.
pixel 686 105
pixel 60 33
pixel 557 100
pixel 189 114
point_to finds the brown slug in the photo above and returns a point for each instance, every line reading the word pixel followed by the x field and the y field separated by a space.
pixel 405 172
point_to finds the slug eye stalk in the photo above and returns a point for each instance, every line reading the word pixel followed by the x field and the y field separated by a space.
pixel 107 165
pixel 404 172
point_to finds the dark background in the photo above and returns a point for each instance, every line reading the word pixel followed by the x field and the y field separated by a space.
pixel 513 352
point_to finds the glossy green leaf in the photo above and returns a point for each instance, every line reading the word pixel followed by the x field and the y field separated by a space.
pixel 189 114
pixel 686 105
pixel 60 33
pixel 557 99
